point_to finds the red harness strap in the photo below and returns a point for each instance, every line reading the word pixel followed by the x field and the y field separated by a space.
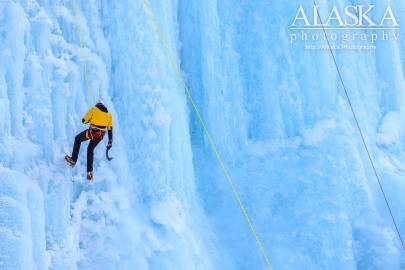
pixel 95 133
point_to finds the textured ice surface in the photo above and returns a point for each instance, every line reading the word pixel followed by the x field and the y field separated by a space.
pixel 276 112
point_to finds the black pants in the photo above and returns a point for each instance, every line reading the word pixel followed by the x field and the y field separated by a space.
pixel 81 137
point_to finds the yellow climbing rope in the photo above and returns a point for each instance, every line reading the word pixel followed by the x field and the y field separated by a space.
pixel 206 132
pixel 82 54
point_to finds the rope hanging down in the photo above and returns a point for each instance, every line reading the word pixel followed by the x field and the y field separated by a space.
pixel 82 54
pixel 360 130
pixel 206 132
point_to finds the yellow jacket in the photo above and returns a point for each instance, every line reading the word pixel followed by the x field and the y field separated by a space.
pixel 98 118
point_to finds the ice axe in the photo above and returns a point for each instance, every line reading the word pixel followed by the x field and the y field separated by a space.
pixel 106 154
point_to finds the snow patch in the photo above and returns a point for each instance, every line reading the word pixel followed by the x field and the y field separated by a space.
pixel 391 129
pixel 315 135
pixel 170 214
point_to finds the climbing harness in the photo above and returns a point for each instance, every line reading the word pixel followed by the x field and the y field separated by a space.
pixel 360 130
pixel 95 133
pixel 176 68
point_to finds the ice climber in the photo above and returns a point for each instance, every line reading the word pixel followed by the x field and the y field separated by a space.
pixel 100 121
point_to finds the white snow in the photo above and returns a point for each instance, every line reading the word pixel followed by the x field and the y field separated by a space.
pixel 169 213
pixel 315 135
pixel 392 129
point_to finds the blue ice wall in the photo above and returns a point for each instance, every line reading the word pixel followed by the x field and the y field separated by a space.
pixel 142 210
pixel 277 113
pixel 281 120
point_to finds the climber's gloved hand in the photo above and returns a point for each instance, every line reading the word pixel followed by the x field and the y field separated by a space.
pixel 109 145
